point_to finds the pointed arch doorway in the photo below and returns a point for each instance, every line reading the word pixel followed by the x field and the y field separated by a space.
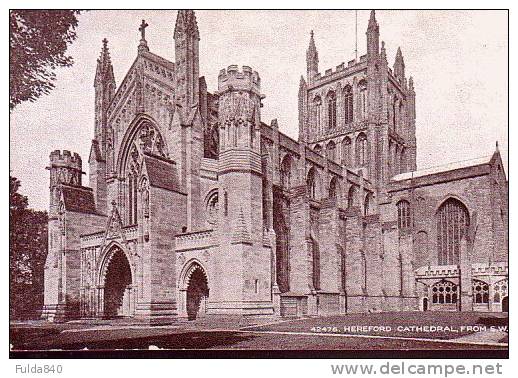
pixel 118 285
pixel 195 291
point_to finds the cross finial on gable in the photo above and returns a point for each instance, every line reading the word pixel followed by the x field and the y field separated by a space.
pixel 142 29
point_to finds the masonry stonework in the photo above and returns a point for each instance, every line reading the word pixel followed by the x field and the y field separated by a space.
pixel 196 207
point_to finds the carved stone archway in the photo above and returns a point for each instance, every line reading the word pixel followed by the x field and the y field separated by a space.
pixel 194 291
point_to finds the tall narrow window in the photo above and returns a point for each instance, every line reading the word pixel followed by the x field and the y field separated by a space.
pixel 286 172
pixel 317 105
pixel 346 152
pixel 311 184
pixel 361 150
pixel 343 281
pixel 130 199
pixel 331 110
pixel 452 224
pixel 404 219
pixel 333 188
pixel 331 151
pixel 351 196
pixel 348 104
pixel 315 254
pixel 362 85
pixel 394 113
pixel 368 206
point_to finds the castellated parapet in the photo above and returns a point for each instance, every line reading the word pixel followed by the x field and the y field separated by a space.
pixel 65 168
pixel 232 79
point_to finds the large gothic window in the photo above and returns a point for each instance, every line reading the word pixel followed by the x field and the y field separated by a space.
pixel 444 292
pixel 404 218
pixel 361 150
pixel 331 110
pixel 147 140
pixel 452 224
pixel 346 152
pixel 315 255
pixel 348 104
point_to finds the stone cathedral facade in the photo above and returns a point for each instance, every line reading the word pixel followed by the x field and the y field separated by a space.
pixel 197 207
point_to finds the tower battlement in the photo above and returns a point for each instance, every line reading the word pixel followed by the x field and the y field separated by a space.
pixel 66 159
pixel 233 79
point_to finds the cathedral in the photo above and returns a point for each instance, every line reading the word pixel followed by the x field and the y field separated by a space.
pixel 197 207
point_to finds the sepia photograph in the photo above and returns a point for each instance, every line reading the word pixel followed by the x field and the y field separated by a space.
pixel 258 183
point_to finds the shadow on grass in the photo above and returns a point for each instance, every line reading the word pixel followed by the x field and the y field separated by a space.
pixel 187 340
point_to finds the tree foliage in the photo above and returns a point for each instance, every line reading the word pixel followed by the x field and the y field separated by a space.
pixel 27 254
pixel 38 40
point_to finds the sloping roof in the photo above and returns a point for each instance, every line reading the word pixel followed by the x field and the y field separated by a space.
pixel 78 199
pixel 443 168
pixel 161 173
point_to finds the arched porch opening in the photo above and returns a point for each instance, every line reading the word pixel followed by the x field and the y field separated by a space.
pixel 118 286
pixel 194 291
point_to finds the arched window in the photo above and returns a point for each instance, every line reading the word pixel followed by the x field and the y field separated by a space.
pixel 317 105
pixel 480 292
pixel 346 151
pixel 444 292
pixel 282 257
pixel 331 110
pixel 348 104
pixel 404 219
pixel 317 148
pixel 315 255
pixel 286 172
pixel 500 289
pixel 361 150
pixel 311 184
pixel 331 151
pixel 452 224
pixel 402 160
pixel 351 196
pixel 362 85
pixel 368 204
pixel 333 188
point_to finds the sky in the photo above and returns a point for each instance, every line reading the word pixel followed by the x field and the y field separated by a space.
pixel 458 59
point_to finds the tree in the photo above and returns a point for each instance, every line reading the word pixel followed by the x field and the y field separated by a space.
pixel 38 40
pixel 27 254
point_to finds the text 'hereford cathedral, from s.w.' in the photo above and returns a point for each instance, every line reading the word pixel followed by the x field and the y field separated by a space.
pixel 196 207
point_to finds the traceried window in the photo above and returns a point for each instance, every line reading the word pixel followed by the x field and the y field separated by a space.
pixel 346 152
pixel 348 104
pixel 331 110
pixel 311 184
pixel 452 224
pixel 500 289
pixel 147 140
pixel 404 218
pixel 480 292
pixel 361 150
pixel 213 208
pixel 331 151
pixel 315 255
pixel 444 292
